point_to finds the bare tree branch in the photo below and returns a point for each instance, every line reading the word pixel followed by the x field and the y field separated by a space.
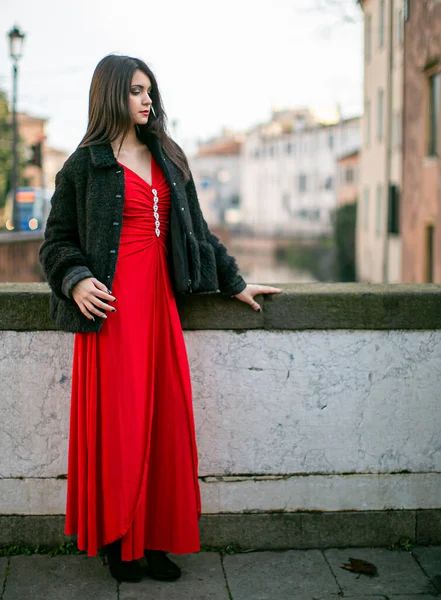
pixel 347 11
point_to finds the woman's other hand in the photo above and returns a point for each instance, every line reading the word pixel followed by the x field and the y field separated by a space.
pixel 89 294
pixel 247 295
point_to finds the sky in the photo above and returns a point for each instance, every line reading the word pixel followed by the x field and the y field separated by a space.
pixel 218 63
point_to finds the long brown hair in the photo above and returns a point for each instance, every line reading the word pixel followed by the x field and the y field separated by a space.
pixel 109 114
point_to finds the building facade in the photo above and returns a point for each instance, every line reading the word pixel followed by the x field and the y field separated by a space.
pixel 378 239
pixel 216 172
pixel 289 173
pixel 348 178
pixel 32 130
pixel 421 211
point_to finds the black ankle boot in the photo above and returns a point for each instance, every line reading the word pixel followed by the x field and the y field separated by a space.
pixel 160 566
pixel 123 570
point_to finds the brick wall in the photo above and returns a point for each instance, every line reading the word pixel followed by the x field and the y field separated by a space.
pixel 19 257
pixel 421 174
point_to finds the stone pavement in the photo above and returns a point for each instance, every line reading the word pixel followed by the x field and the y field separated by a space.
pixel 282 575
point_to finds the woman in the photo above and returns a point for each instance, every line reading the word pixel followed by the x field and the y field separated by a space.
pixel 124 239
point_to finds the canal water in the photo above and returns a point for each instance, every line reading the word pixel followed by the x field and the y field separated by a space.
pixel 258 263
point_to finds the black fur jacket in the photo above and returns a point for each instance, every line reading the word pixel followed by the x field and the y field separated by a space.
pixel 83 230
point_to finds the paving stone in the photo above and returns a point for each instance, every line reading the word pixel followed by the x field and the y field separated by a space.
pixel 202 579
pixel 398 572
pixel 59 577
pixel 299 574
pixel 430 560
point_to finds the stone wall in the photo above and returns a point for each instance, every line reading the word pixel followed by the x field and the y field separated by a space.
pixel 323 406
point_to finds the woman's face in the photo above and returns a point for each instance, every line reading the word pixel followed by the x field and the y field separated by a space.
pixel 139 99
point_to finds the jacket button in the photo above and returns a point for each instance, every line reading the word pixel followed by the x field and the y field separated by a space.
pixel 118 196
pixel 190 232
pixel 118 171
pixel 174 183
pixel 108 277
pixel 115 223
pixel 113 252
pixel 182 208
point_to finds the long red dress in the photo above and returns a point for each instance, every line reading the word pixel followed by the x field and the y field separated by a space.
pixel 132 468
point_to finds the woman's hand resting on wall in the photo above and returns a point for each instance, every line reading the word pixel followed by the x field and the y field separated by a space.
pixel 247 295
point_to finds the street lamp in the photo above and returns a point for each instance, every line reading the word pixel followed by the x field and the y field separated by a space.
pixel 16 38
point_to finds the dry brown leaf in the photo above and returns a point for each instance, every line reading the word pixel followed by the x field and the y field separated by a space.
pixel 358 565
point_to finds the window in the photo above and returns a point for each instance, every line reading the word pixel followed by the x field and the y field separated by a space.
pixel 367 131
pixel 430 238
pixel 299 123
pixel 329 183
pixel 400 27
pixel 406 10
pixel 379 208
pixel 382 23
pixel 380 122
pixel 393 214
pixel 434 108
pixel 288 148
pixel 368 37
pixel 366 209
pixel 310 214
pixel 330 141
pixel 302 183
pixel 396 130
pixel 349 175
